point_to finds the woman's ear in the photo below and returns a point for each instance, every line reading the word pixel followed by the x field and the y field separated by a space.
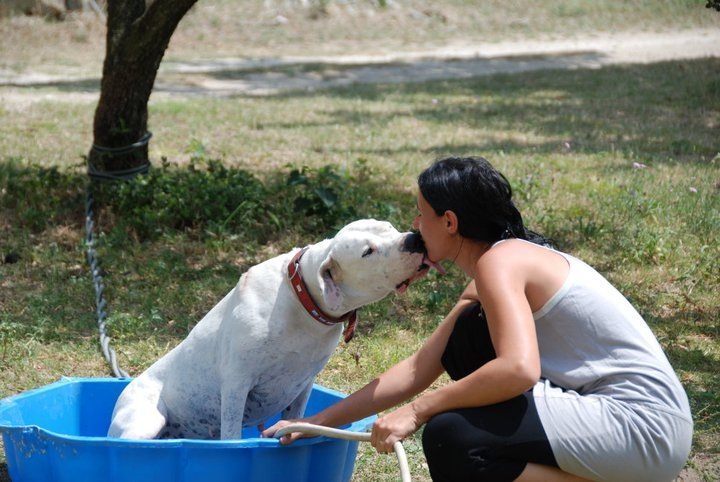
pixel 451 222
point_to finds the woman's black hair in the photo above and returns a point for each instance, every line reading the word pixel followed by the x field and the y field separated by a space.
pixel 479 195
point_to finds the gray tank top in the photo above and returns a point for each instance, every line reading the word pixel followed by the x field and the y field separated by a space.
pixel 611 404
pixel 593 341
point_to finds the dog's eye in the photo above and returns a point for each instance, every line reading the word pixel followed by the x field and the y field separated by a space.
pixel 368 252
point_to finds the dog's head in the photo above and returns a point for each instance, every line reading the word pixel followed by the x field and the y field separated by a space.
pixel 366 261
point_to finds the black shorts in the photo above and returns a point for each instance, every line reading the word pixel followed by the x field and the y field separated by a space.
pixel 494 442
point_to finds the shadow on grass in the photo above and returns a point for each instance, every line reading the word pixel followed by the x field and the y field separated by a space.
pixel 632 109
pixel 628 108
pixel 85 85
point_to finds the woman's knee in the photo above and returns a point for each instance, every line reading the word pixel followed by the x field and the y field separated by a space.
pixel 443 449
pixel 452 455
pixel 438 431
pixel 457 451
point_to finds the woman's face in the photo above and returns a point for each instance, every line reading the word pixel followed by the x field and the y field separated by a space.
pixel 432 228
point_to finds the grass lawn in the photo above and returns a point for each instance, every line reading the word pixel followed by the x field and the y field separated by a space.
pixel 619 165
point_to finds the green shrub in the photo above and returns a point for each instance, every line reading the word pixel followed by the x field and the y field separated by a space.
pixel 34 196
pixel 205 195
pixel 205 198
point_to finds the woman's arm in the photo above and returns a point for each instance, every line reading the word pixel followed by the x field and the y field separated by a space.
pixel 500 287
pixel 396 385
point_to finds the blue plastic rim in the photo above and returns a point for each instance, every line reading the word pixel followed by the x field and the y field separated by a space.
pixel 57 433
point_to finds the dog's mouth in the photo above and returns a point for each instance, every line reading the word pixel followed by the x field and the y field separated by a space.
pixel 422 270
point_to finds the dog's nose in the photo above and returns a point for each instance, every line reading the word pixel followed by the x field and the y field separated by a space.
pixel 413 243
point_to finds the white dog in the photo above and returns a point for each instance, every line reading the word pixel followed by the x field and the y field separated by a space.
pixel 257 352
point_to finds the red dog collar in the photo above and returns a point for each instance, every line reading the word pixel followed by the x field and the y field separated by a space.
pixel 295 277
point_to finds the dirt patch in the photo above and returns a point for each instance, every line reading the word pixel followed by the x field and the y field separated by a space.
pixel 222 77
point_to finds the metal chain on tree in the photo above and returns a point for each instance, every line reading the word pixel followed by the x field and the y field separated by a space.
pixel 92 255
pixel 95 272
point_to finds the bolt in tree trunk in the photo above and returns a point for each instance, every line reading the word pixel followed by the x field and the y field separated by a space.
pixel 138 32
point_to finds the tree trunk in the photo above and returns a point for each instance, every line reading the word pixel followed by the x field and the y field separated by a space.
pixel 137 36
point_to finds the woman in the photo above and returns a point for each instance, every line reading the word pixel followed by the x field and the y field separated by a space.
pixel 556 376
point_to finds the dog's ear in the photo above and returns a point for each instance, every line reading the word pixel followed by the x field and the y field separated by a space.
pixel 329 278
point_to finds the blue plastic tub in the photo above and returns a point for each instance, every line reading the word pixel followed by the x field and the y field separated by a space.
pixel 57 433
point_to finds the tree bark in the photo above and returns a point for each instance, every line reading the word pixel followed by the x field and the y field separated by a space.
pixel 137 36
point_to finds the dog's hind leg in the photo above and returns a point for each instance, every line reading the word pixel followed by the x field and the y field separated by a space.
pixel 138 416
pixel 296 409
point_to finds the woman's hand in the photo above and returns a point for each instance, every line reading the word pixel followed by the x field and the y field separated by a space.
pixel 394 426
pixel 285 439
